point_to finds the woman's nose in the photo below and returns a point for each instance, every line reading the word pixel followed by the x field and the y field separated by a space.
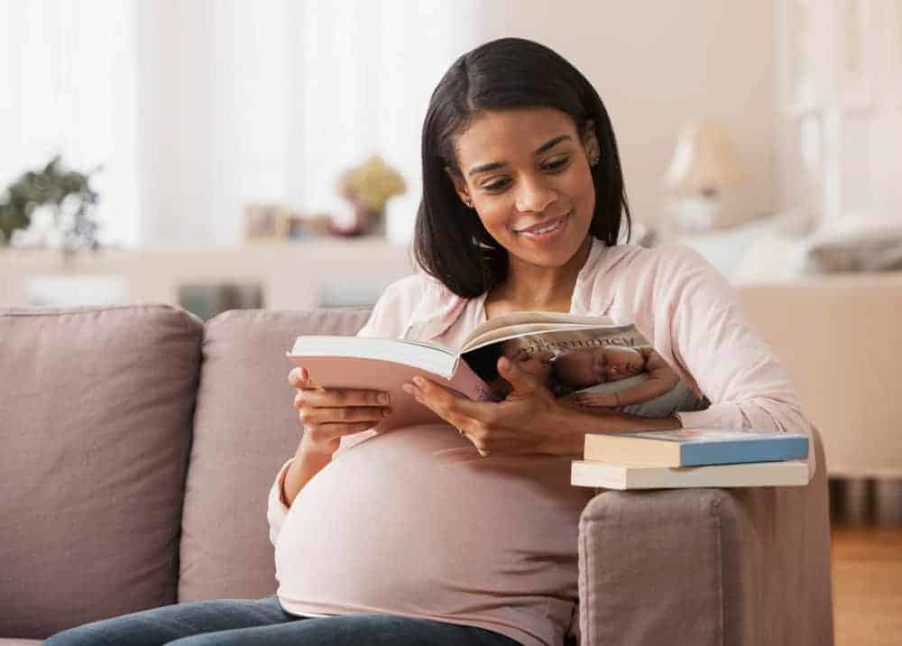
pixel 535 194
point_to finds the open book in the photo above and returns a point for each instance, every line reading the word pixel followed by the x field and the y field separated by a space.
pixel 590 361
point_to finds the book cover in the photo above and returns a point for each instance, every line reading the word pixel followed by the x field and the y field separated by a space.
pixel 790 473
pixel 384 364
pixel 590 362
pixel 695 446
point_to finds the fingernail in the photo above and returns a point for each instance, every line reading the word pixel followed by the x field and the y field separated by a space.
pixel 304 374
pixel 419 381
pixel 383 398
pixel 407 388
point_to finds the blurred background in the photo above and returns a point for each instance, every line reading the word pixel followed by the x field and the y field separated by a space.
pixel 199 127
pixel 228 154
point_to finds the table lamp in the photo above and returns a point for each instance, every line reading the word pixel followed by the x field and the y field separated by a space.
pixel 704 167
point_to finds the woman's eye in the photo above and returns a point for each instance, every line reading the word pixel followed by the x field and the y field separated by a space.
pixel 497 186
pixel 500 185
pixel 560 163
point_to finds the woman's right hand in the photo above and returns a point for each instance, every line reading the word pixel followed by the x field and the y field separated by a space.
pixel 329 413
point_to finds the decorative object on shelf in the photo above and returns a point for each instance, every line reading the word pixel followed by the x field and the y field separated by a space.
pixel 265 221
pixel 206 300
pixel 368 187
pixel 705 166
pixel 66 201
pixel 305 226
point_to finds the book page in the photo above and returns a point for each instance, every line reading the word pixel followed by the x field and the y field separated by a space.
pixel 520 318
pixel 427 356
pixel 522 329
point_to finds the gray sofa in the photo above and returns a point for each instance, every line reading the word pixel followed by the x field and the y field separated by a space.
pixel 137 446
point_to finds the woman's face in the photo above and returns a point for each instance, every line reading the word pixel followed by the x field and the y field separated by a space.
pixel 527 174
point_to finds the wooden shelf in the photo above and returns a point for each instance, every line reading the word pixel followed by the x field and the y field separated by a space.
pixel 292 275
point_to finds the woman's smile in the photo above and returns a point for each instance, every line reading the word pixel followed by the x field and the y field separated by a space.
pixel 547 230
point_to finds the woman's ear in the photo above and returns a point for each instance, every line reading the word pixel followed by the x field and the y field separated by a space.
pixel 590 143
pixel 460 187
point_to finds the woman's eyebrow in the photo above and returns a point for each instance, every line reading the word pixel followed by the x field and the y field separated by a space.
pixel 551 143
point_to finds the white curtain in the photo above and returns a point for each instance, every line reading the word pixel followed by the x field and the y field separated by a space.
pixel 67 87
pixel 196 108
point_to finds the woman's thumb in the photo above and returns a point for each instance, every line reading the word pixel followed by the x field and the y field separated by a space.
pixel 300 378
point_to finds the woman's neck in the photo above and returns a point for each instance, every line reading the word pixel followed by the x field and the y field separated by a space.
pixel 538 289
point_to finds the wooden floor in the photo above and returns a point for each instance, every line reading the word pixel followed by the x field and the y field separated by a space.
pixel 867 586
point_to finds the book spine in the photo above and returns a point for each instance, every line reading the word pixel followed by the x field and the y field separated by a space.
pixel 589 474
pixel 785 474
pixel 773 450
pixel 788 474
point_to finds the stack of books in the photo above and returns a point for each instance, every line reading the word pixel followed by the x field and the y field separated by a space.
pixel 692 457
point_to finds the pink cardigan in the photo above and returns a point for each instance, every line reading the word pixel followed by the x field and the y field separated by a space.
pixel 679 302
pixel 414 522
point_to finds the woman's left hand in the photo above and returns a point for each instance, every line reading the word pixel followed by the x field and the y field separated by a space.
pixel 527 421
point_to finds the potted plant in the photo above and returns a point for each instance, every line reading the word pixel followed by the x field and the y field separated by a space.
pixel 68 195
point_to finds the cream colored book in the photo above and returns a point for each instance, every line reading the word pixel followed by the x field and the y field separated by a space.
pixel 789 473
pixel 386 364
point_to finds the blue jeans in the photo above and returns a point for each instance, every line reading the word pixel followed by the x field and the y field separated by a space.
pixel 262 622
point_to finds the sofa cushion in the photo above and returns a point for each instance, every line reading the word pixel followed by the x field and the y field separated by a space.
pixel 95 423
pixel 245 427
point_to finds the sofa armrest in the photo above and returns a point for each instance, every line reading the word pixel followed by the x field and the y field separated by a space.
pixel 707 566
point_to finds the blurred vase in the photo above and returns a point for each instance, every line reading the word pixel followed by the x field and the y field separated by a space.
pixel 364 221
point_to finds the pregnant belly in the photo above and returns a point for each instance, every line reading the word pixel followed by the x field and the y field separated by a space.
pixel 414 520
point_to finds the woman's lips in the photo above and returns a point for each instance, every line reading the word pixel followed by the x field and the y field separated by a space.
pixel 545 230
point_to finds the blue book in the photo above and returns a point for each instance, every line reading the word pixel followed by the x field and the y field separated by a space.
pixel 686 447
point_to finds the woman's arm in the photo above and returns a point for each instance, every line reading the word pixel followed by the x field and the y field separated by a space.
pixel 698 315
pixel 388 319
pixel 307 462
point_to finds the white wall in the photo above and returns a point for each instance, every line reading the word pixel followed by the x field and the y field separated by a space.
pixel 658 65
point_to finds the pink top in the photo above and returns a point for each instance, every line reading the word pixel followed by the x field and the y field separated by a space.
pixel 414 522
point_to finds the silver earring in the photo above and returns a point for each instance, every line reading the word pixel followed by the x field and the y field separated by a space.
pixel 469 204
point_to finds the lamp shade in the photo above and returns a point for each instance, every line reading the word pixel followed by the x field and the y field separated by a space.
pixel 705 161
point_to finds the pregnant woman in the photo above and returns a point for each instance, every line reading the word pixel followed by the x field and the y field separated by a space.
pixel 465 532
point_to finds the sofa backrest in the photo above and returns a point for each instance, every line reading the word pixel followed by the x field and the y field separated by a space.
pixel 95 427
pixel 245 427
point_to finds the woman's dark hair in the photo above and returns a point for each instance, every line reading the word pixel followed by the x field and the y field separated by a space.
pixel 450 242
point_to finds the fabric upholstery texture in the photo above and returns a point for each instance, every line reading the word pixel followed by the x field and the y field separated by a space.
pixel 245 427
pixel 95 426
